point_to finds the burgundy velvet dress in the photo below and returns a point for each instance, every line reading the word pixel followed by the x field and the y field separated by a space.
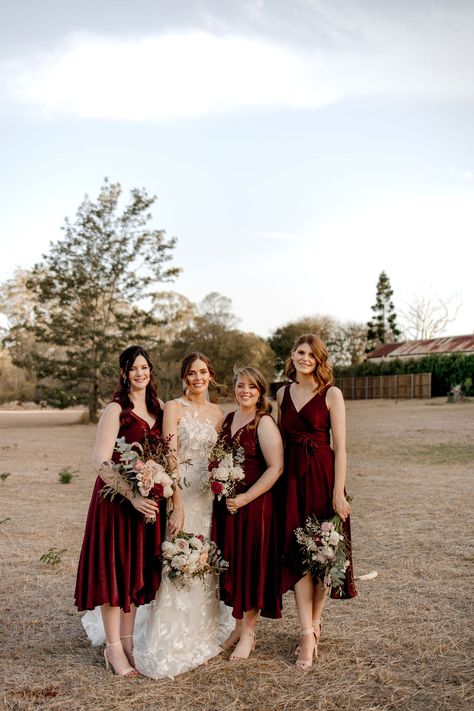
pixel 308 481
pixel 120 558
pixel 248 539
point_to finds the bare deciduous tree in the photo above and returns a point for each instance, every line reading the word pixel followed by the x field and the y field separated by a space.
pixel 428 316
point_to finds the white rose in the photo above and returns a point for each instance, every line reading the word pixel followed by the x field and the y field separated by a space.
pixel 167 548
pixel 167 492
pixel 238 473
pixel 221 474
pixel 177 562
pixel 159 473
pixel 334 538
pixel 182 545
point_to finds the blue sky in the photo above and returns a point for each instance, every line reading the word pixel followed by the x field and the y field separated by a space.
pixel 297 149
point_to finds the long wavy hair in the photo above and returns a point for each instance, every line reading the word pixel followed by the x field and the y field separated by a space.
pixel 122 394
pixel 264 406
pixel 186 367
pixel 323 374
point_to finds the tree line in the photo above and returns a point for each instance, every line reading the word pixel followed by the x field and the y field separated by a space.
pixel 96 290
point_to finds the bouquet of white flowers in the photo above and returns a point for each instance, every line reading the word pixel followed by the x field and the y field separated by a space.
pixel 188 556
pixel 225 470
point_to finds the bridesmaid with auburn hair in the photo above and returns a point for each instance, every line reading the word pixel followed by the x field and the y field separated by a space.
pixel 311 413
pixel 120 566
pixel 244 526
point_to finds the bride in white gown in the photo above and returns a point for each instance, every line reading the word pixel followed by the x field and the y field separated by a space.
pixel 181 629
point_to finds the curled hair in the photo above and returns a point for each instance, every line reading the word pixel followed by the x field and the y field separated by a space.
pixel 322 373
pixel 254 375
pixel 187 363
pixel 122 394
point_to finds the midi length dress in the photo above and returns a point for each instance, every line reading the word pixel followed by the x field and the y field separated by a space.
pixel 248 539
pixel 120 561
pixel 308 482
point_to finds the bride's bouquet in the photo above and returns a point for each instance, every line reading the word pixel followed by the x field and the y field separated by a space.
pixel 225 470
pixel 323 550
pixel 147 468
pixel 187 557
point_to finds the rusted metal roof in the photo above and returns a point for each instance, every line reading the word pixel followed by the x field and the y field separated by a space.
pixel 410 349
pixel 383 351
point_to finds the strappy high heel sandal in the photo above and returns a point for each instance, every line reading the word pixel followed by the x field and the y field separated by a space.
pixel 317 633
pixel 234 657
pixel 305 664
pixel 130 658
pixel 127 673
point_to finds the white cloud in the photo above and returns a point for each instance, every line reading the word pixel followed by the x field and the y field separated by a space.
pixel 172 76
pixel 196 73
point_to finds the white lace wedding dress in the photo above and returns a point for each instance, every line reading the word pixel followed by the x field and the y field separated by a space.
pixel 181 629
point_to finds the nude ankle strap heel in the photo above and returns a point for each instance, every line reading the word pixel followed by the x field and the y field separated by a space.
pixel 128 673
pixel 305 664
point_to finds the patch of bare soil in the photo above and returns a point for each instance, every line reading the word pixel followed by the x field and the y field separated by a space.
pixel 405 642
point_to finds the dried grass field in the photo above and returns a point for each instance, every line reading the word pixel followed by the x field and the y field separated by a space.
pixel 405 642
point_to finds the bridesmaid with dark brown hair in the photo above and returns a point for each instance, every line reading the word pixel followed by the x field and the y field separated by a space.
pixel 119 566
pixel 245 525
pixel 311 409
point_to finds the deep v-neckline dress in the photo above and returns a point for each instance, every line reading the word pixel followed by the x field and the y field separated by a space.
pixel 248 539
pixel 308 481
pixel 120 560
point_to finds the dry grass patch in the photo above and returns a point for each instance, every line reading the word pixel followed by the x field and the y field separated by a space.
pixel 405 643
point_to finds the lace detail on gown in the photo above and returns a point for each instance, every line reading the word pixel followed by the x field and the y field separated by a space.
pixel 181 629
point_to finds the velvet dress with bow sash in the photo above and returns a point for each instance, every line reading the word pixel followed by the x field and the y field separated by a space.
pixel 308 481
pixel 248 539
pixel 120 558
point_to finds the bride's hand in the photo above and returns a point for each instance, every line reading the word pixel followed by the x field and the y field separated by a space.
pixel 176 521
pixel 236 503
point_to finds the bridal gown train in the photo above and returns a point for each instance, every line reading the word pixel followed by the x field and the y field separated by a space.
pixel 181 629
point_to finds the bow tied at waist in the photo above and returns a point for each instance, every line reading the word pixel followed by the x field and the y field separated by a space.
pixel 310 442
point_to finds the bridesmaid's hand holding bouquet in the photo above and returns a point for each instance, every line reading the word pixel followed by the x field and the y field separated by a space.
pixel 142 470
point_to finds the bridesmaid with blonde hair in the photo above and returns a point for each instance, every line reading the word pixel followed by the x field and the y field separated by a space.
pixel 245 525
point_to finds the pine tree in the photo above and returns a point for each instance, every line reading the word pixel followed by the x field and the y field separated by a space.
pixel 91 292
pixel 382 328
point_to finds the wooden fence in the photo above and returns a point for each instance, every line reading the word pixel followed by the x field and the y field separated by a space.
pixel 391 387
